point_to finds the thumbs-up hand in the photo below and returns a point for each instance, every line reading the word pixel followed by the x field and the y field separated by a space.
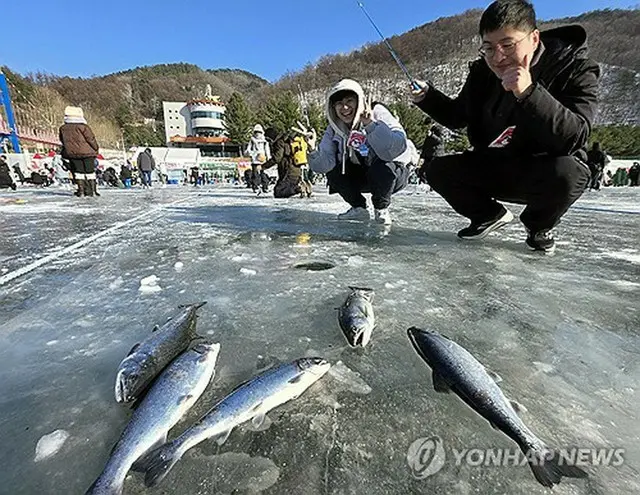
pixel 517 79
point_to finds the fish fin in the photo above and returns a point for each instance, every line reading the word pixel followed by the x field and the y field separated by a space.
pixel 139 465
pixel 155 328
pixel 258 420
pixel 134 348
pixel 368 289
pixel 517 407
pixel 221 438
pixel 496 378
pixel 157 464
pixel 439 383
pixel 549 467
pixel 196 305
pixel 295 379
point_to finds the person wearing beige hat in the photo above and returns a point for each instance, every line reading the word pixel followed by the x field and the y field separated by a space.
pixel 80 148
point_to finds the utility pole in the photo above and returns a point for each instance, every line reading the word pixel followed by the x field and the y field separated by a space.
pixel 5 101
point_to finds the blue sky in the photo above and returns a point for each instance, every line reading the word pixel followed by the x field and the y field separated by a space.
pixel 82 38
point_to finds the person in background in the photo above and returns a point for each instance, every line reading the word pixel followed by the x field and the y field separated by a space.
pixel 80 148
pixel 5 174
pixel 528 105
pixel 634 174
pixel 125 175
pixel 300 150
pixel 259 151
pixel 289 175
pixel 364 149
pixel 621 177
pixel 18 171
pixel 146 165
pixel 432 147
pixel 596 159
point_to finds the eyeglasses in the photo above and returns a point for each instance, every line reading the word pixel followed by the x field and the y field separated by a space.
pixel 507 48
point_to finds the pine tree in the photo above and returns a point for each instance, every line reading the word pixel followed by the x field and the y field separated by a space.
pixel 281 111
pixel 239 120
pixel 317 119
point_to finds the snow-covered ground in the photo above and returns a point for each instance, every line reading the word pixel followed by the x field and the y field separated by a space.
pixel 563 331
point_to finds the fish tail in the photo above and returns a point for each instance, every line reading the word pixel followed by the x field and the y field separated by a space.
pixel 549 466
pixel 157 464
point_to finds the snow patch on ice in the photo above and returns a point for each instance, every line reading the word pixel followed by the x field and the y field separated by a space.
pixel 50 444
pixel 52 342
pixel 149 285
pixel 179 266
pixel 248 271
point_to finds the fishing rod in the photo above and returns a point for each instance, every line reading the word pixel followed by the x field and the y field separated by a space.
pixel 414 85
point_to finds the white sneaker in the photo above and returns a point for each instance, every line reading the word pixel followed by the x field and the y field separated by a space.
pixel 355 213
pixel 383 216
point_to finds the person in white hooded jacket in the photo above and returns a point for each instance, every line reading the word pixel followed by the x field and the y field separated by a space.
pixel 364 149
pixel 260 153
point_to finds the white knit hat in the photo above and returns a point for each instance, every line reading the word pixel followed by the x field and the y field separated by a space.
pixel 73 112
pixel 258 128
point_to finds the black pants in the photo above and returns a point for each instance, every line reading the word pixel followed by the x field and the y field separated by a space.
pixel 472 182
pixel 258 178
pixel 381 179
pixel 83 168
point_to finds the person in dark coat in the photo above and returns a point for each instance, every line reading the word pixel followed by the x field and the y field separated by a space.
pixel 126 175
pixel 80 148
pixel 18 171
pixel 528 105
pixel 432 147
pixel 146 165
pixel 634 174
pixel 596 160
pixel 5 174
pixel 289 175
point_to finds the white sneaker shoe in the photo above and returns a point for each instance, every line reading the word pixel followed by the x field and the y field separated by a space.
pixel 383 216
pixel 355 213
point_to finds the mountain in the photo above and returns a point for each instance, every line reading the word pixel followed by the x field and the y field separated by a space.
pixel 440 51
pixel 123 100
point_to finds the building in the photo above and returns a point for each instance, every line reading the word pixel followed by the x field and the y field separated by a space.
pixel 196 118
pixel 199 124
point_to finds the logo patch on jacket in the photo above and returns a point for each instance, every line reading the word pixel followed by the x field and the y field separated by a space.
pixel 358 141
pixel 504 138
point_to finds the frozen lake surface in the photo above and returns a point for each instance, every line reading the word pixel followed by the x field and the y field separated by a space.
pixel 563 331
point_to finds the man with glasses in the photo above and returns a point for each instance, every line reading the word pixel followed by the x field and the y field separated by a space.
pixel 528 105
pixel 364 149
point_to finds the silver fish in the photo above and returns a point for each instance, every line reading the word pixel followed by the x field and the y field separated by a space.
pixel 249 401
pixel 455 369
pixel 174 392
pixel 148 358
pixel 356 317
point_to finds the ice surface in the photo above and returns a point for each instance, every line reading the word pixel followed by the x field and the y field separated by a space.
pixel 561 330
